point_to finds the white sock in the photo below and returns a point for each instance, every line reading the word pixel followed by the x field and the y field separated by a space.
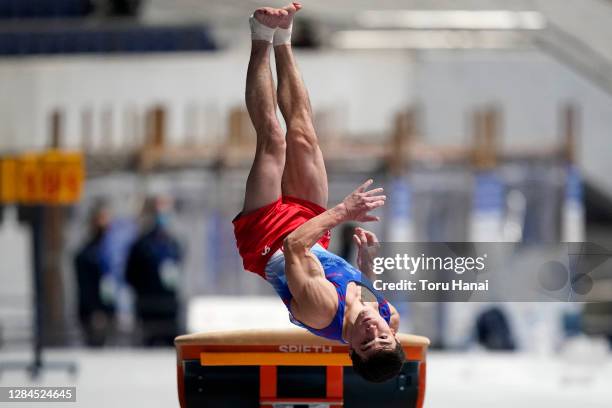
pixel 283 35
pixel 260 31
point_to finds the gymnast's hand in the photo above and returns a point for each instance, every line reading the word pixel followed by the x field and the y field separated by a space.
pixel 357 205
pixel 367 249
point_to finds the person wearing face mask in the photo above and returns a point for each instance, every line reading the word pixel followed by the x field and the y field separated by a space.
pixel 96 306
pixel 153 272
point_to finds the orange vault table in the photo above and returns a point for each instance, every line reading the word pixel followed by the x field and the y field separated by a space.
pixel 288 367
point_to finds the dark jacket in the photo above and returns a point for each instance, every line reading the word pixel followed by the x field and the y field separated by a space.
pixel 148 255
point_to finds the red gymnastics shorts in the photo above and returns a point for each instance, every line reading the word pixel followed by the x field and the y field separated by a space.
pixel 260 233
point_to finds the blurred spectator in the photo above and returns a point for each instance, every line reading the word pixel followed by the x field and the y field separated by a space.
pixel 152 270
pixel 493 330
pixel 92 265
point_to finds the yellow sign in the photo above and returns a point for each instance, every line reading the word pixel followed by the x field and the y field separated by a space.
pixel 28 179
pixel 71 178
pixel 52 177
pixel 8 180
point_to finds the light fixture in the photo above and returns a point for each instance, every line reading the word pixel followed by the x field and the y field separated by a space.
pixel 453 19
pixel 428 39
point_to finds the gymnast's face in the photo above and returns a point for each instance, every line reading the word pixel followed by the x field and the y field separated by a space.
pixel 371 333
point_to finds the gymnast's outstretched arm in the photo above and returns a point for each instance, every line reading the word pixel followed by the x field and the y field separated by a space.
pixel 355 207
pixel 314 297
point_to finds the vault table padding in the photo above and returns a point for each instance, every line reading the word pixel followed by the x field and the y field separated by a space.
pixel 288 365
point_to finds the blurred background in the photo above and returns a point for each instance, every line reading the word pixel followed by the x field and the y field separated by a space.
pixel 125 145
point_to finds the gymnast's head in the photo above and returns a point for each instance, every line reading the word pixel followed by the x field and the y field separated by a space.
pixel 376 353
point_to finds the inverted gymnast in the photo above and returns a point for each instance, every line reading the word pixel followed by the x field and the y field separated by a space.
pixel 284 228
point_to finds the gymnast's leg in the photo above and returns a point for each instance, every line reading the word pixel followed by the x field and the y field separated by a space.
pixel 264 181
pixel 305 176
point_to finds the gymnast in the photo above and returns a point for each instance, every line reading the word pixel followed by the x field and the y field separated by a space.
pixel 284 228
